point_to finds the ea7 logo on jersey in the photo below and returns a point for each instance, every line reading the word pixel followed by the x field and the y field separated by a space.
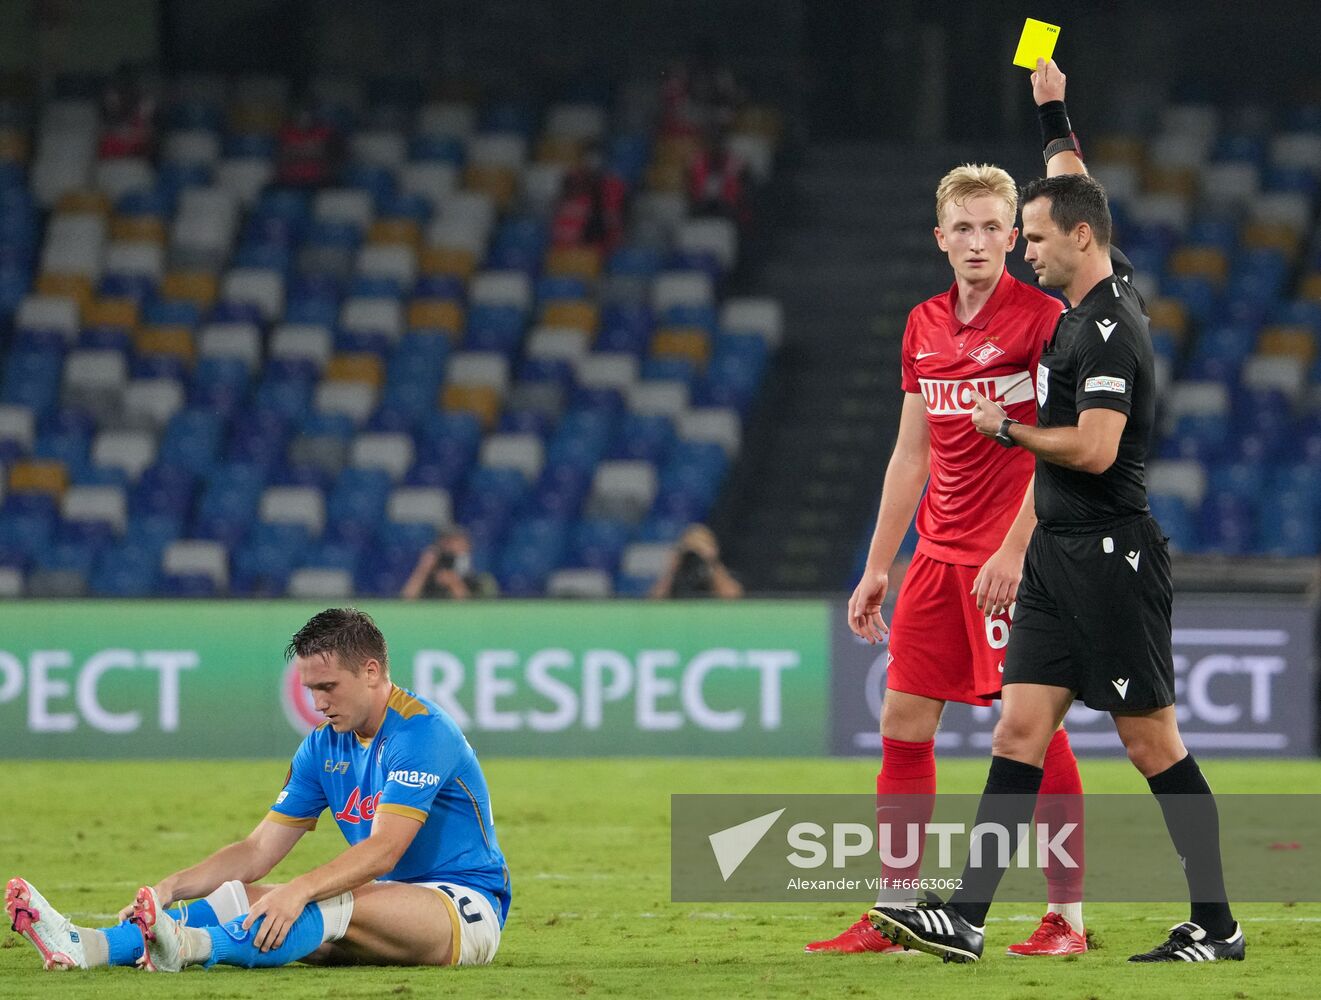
pixel 1107 327
pixel 414 779
pixel 946 397
pixel 985 354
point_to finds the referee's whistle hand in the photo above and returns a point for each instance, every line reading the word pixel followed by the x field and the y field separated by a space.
pixel 986 415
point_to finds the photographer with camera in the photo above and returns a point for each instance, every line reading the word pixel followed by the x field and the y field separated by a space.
pixel 445 571
pixel 695 568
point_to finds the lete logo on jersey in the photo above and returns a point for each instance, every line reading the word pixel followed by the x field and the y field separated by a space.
pixel 358 809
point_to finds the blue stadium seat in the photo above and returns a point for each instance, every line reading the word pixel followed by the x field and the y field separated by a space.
pixel 27 522
pixel 192 440
pixel 649 437
pixel 125 571
pixel 1228 524
pixel 560 491
pixel 441 148
pixel 441 286
pixel 598 543
pixel 1176 521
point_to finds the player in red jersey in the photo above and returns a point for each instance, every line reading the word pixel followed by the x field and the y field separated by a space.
pixel 951 624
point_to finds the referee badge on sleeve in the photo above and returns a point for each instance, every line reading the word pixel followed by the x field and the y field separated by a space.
pixel 1043 384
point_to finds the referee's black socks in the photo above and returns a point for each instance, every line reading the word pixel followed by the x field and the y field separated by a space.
pixel 1009 799
pixel 1194 824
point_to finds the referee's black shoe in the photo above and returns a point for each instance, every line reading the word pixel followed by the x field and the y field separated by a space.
pixel 1190 943
pixel 931 926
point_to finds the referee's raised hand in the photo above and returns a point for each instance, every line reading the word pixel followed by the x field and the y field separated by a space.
pixel 1048 82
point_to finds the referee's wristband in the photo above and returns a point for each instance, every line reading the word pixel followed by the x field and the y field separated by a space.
pixel 1002 435
pixel 1057 135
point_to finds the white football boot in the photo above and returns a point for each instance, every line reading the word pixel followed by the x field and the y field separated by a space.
pixel 51 933
pixel 164 939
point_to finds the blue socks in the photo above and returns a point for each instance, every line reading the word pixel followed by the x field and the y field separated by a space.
pixel 232 945
pixel 125 939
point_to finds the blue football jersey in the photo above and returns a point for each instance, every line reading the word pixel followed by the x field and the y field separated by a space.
pixel 419 764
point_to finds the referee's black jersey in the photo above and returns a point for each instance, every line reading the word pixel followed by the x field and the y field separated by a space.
pixel 1100 355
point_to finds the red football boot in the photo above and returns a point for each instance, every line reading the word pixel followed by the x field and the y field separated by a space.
pixel 860 937
pixel 1053 936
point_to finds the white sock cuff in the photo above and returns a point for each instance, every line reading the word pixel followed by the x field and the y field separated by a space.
pixel 336 912
pixel 230 901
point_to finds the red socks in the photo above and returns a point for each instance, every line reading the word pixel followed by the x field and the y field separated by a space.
pixel 1056 806
pixel 905 794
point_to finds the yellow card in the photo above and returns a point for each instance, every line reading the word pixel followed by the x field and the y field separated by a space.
pixel 1037 42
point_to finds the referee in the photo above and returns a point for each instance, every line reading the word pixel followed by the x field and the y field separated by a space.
pixel 1093 614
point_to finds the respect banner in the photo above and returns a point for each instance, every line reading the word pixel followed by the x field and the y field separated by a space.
pixel 209 679
pixel 1244 683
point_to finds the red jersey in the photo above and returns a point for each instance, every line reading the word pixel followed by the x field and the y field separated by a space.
pixel 976 485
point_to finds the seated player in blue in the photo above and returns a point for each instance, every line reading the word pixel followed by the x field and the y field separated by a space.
pixel 423 881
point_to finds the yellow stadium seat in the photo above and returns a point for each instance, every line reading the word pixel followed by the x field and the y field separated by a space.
pixel 1271 236
pixel 111 312
pixel 500 184
pixel 1171 315
pixel 391 231
pixel 483 401
pixel 255 117
pixel 574 262
pixel 38 476
pixel 665 177
pixel 443 314
pixel 356 367
pixel 96 202
pixel 1181 181
pixel 677 150
pixel 560 149
pixel 1289 342
pixel 172 340
pixel 14 146
pixel 682 342
pixel 576 313
pixel 448 260
pixel 76 286
pixel 1311 287
pixel 1118 149
pixel 145 228
pixel 192 286
pixel 761 120
pixel 1200 262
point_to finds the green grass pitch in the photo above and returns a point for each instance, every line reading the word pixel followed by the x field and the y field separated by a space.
pixel 588 846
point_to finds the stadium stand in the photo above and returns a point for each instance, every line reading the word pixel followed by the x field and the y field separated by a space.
pixel 281 354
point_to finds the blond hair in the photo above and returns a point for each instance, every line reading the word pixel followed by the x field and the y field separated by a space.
pixel 972 180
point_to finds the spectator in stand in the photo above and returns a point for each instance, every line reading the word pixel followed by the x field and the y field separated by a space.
pixel 699 94
pixel 129 113
pixel 695 568
pixel 591 208
pixel 718 180
pixel 445 571
pixel 308 150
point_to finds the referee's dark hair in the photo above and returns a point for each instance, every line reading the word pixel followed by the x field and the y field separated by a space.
pixel 349 633
pixel 1074 198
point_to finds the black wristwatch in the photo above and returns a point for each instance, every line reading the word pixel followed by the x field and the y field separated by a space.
pixel 1002 435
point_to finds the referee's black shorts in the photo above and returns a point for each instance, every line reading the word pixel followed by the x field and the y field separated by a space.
pixel 1093 616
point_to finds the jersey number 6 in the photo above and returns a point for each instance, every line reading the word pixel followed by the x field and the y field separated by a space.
pixel 997 629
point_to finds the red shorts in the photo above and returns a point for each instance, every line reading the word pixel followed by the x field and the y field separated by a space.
pixel 941 645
